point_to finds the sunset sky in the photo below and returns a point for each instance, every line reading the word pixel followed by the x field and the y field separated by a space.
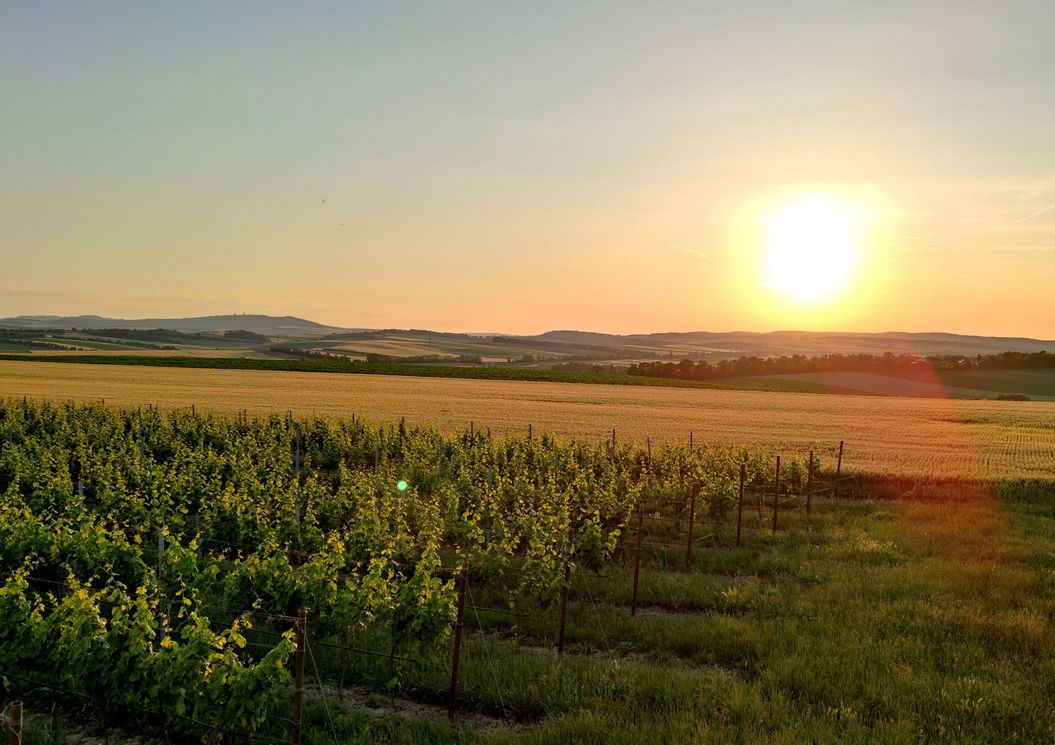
pixel 518 167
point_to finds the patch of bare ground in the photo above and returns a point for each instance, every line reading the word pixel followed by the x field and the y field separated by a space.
pixel 382 706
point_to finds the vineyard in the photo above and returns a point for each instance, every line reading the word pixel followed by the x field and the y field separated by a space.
pixel 157 562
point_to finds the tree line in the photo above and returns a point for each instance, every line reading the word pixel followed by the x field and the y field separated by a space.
pixel 874 363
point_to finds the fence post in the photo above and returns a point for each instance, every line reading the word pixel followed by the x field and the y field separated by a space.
pixel 452 701
pixel 809 486
pixel 529 431
pixel 740 503
pixel 692 520
pixel 776 496
pixel 15 723
pixel 690 440
pixel 838 470
pixel 637 556
pixel 471 430
pixel 298 676
pixel 758 494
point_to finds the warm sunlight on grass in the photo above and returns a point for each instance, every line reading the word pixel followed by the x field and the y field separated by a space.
pixel 812 245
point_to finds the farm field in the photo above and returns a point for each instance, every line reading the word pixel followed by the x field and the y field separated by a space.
pixel 144 548
pixel 201 352
pixel 1037 384
pixel 900 436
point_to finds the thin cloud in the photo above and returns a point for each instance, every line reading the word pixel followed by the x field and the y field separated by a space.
pixel 690 251
pixel 1033 215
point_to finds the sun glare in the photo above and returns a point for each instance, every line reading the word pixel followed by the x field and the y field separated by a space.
pixel 811 247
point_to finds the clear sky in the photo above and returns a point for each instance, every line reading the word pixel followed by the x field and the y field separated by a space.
pixel 518 167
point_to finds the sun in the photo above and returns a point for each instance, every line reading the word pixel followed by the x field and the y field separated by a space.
pixel 811 247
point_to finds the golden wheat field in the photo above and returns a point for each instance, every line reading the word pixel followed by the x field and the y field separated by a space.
pixel 905 436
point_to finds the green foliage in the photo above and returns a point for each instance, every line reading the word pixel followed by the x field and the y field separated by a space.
pixel 129 536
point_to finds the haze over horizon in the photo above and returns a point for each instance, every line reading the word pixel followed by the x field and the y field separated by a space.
pixel 611 167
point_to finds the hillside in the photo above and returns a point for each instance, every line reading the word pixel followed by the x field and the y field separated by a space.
pixel 258 324
pixel 736 343
pixel 548 347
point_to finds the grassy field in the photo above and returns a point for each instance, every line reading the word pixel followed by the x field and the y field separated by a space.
pixel 902 436
pixel 889 622
pixel 893 622
pixel 1038 384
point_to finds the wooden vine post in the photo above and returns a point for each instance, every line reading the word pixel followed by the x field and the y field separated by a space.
pixel 692 520
pixel 298 676
pixel 740 503
pixel 838 470
pixel 452 700
pixel 565 588
pixel 296 477
pixel 637 557
pixel 15 723
pixel 809 486
pixel 776 496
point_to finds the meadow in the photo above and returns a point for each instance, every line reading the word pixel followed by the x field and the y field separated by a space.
pixel 1039 385
pixel 929 438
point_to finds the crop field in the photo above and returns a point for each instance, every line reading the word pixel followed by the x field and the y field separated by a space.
pixel 1037 384
pixel 114 350
pixel 933 438
pixel 506 590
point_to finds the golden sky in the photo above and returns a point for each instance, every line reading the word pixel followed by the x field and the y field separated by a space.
pixel 518 167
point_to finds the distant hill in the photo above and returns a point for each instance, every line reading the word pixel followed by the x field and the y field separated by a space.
pixel 257 324
pixel 561 344
pixel 736 343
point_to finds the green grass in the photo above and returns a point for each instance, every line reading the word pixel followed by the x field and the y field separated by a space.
pixel 874 621
pixel 885 622
pixel 877 621
pixel 1029 382
pixel 1038 384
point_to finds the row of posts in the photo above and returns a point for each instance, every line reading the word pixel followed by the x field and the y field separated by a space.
pixel 301 619
pixel 739 516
